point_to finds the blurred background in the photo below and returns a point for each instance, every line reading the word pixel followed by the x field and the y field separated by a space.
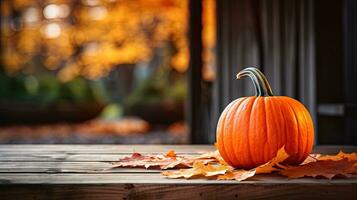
pixel 161 71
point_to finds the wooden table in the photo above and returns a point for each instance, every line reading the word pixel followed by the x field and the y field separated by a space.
pixel 83 172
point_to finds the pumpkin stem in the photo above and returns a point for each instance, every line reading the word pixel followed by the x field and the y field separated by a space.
pixel 260 82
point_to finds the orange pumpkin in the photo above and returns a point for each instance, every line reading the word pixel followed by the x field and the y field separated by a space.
pixel 251 130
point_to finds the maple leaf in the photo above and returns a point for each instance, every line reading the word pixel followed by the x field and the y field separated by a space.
pixel 168 160
pixel 221 168
pixel 341 155
pixel 211 164
pixel 198 168
pixel 238 175
pixel 212 155
pixel 185 162
pixel 270 166
pixel 322 168
pixel 205 158
pixel 171 153
pixel 311 158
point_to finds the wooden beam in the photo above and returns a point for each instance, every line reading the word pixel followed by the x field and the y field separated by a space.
pixel 194 110
pixel 179 191
pixel 50 172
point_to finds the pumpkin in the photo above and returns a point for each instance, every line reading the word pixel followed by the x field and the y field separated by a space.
pixel 252 129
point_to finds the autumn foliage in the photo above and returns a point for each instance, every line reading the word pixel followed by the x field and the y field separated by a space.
pixel 211 165
pixel 91 38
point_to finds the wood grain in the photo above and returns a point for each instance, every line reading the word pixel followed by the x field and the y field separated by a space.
pixel 118 149
pixel 85 153
pixel 151 178
pixel 178 191
pixel 66 167
pixel 67 157
pixel 82 172
pixel 128 149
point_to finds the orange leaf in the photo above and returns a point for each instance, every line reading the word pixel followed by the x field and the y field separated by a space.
pixel 238 175
pixel 270 166
pixel 169 160
pixel 199 168
pixel 340 156
pixel 213 154
pixel 186 162
pixel 323 168
pixel 212 164
pixel 311 158
pixel 171 153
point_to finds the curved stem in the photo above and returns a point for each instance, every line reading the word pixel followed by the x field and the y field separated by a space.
pixel 266 83
pixel 258 90
pixel 261 84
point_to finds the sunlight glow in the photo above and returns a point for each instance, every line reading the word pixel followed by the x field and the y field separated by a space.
pixel 52 30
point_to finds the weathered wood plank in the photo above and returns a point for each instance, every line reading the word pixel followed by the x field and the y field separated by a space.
pixel 65 157
pixel 67 167
pixel 38 154
pixel 179 191
pixel 152 178
pixel 88 149
pixel 126 149
pixel 44 156
pixel 75 172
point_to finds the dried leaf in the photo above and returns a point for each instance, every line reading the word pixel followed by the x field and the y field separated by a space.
pixel 322 168
pixel 199 168
pixel 224 171
pixel 212 155
pixel 185 162
pixel 270 166
pixel 211 164
pixel 169 160
pixel 311 158
pixel 238 175
pixel 341 155
pixel 171 153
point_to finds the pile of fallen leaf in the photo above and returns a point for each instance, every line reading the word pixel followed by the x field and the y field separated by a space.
pixel 212 165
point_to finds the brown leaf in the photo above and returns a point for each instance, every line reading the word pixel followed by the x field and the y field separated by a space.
pixel 311 158
pixel 212 155
pixel 270 166
pixel 205 158
pixel 169 160
pixel 238 175
pixel 224 171
pixel 182 161
pixel 199 168
pixel 341 155
pixel 171 153
pixel 323 168
pixel 211 164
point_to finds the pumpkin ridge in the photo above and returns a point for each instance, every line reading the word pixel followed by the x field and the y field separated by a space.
pixel 267 144
pixel 239 104
pixel 227 123
pixel 252 158
pixel 267 153
pixel 234 130
pixel 305 120
pixel 241 144
pixel 298 128
pixel 285 132
pixel 306 146
pixel 275 118
pixel 221 125
pixel 310 131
